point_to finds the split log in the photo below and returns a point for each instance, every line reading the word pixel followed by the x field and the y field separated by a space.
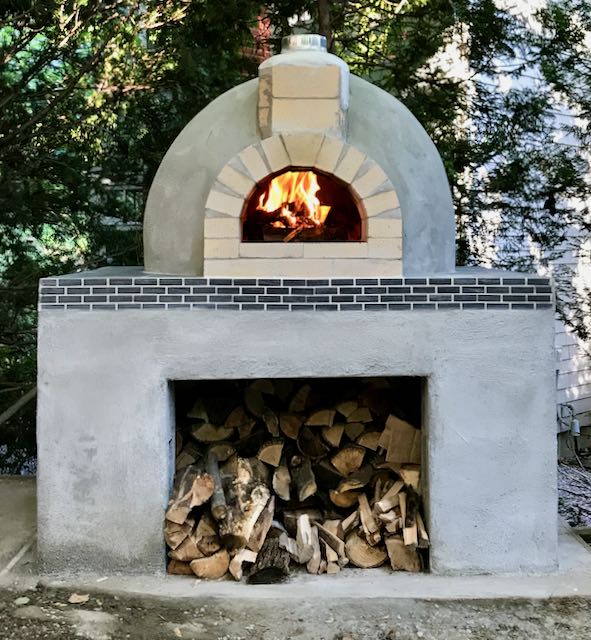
pixel 411 474
pixel 290 518
pixel 304 539
pixel 299 402
pixel 198 411
pixel 310 444
pixel 390 499
pixel 218 499
pixel 184 459
pixel 254 401
pixel 350 523
pixel 335 543
pixel 175 533
pixel 361 414
pixel 186 551
pixel 356 480
pixel 263 385
pixel 409 522
pixel 321 418
pixel 344 500
pixel 333 434
pixel 207 432
pixel 370 526
pixel 354 430
pixel 335 527
pixel 347 408
pixel 402 557
pixel 178 443
pixel 369 440
pixel 304 480
pixel 236 569
pixel 271 452
pixel 272 564
pixel 262 526
pixel 246 498
pixel 290 424
pixel 237 419
pixel 332 568
pixel 222 451
pixel 329 553
pixel 289 544
pixel 313 564
pixel 213 567
pixel 405 442
pixel 178 568
pixel 282 481
pixel 395 526
pixel 200 491
pixel 363 555
pixel 326 475
pixel 206 535
pixel 348 459
pixel 423 542
pixel 271 422
pixel 283 388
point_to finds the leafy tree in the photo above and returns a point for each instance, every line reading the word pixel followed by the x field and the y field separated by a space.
pixel 93 93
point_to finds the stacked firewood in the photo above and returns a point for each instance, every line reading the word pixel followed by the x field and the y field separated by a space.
pixel 285 478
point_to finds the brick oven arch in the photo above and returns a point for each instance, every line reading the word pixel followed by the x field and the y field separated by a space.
pixel 379 254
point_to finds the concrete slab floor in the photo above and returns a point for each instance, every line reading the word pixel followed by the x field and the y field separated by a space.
pixel 17 527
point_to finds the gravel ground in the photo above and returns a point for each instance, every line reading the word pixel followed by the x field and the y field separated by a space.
pixel 46 614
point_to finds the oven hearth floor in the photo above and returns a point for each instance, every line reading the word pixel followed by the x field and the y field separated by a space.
pixel 573 578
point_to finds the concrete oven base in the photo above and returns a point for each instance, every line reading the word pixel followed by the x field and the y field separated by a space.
pixel 105 426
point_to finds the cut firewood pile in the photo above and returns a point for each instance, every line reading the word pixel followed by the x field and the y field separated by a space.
pixel 272 475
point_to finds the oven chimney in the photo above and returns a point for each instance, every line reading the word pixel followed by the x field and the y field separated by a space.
pixel 304 88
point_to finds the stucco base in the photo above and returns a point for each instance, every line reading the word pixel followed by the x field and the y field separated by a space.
pixel 105 426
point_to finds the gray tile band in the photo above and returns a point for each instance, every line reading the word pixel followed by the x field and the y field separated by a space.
pixel 295 294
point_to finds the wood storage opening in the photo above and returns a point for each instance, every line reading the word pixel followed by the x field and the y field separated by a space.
pixel 279 475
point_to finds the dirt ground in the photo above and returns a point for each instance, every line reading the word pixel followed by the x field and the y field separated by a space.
pixel 44 614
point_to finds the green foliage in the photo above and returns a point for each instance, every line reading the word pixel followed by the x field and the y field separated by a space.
pixel 93 93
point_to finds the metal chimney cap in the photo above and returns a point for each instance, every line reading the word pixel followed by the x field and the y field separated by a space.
pixel 303 42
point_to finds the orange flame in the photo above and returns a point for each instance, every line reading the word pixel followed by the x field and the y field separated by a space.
pixel 293 193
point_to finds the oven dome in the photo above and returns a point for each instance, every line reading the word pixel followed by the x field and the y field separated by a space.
pixel 377 125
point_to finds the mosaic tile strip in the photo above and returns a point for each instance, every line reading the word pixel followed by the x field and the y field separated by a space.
pixel 289 294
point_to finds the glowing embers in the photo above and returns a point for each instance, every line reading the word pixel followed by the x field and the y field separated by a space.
pixel 301 206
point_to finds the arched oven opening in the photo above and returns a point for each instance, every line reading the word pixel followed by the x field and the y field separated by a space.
pixel 302 205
